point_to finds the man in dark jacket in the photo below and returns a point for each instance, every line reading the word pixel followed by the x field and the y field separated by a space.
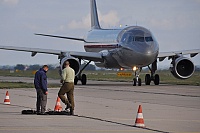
pixel 40 82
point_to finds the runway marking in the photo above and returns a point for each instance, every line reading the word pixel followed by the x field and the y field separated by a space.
pixel 118 123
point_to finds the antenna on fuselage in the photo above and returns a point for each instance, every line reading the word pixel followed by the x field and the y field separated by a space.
pixel 94 15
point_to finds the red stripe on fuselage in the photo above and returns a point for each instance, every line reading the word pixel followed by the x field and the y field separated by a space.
pixel 101 46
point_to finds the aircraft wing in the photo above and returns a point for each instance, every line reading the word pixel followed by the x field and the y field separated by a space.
pixel 192 53
pixel 83 55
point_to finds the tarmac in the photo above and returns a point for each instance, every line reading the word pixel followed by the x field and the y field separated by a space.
pixel 107 107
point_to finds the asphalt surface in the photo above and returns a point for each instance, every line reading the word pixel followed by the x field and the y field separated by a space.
pixel 107 107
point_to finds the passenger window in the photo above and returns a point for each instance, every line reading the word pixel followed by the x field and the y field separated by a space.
pixel 139 39
pixel 148 39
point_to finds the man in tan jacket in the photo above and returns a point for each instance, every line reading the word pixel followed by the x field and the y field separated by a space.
pixel 67 81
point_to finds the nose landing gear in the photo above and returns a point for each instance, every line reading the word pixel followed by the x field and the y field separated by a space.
pixel 148 77
pixel 137 80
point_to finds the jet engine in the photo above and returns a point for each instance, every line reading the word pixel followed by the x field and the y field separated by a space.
pixel 74 63
pixel 182 68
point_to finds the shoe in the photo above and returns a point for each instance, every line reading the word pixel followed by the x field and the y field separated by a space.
pixel 71 111
pixel 67 110
pixel 68 106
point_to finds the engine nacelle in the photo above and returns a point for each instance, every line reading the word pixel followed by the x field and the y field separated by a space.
pixel 74 63
pixel 182 68
pixel 109 61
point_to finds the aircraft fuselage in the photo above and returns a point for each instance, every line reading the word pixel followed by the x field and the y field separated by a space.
pixel 123 48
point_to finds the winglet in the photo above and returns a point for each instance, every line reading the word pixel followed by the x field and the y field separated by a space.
pixel 94 15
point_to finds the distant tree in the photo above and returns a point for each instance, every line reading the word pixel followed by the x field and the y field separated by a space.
pixel 19 67
pixel 34 67
pixel 51 67
pixel 7 67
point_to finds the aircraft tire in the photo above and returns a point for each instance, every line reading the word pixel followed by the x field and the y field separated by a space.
pixel 84 79
pixel 139 82
pixel 157 79
pixel 147 79
pixel 76 80
pixel 134 82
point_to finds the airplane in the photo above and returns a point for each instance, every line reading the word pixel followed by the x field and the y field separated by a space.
pixel 132 47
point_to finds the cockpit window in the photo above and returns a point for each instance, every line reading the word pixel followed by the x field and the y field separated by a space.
pixel 130 39
pixel 148 39
pixel 139 39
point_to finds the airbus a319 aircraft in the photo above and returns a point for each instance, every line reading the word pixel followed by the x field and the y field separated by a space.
pixel 131 47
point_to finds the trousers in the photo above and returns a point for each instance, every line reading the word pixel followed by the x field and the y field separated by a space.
pixel 68 89
pixel 41 101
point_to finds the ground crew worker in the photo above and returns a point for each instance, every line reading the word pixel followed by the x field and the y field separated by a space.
pixel 67 80
pixel 40 83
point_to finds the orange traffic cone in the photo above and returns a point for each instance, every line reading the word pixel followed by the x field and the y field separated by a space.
pixel 58 106
pixel 139 122
pixel 7 100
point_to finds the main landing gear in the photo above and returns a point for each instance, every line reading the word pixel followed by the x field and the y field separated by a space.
pixel 137 80
pixel 149 78
pixel 153 77
pixel 83 77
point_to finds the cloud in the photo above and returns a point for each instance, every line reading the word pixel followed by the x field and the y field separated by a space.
pixel 106 20
pixel 177 22
pixel 110 19
pixel 10 2
pixel 84 23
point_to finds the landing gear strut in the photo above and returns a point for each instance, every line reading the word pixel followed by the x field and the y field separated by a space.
pixel 153 77
pixel 137 80
pixel 83 77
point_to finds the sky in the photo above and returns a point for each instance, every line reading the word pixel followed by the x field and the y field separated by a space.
pixel 174 23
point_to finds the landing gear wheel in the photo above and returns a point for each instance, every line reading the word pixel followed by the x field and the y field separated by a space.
pixel 84 79
pixel 134 82
pixel 139 82
pixel 76 80
pixel 147 79
pixel 156 79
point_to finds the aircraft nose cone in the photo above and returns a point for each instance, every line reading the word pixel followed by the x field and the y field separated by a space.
pixel 146 48
pixel 149 49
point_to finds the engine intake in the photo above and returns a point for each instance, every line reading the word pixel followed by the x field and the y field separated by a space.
pixel 182 68
pixel 74 63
